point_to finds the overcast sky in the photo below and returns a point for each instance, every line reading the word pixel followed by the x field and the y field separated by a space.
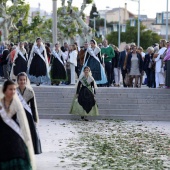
pixel 148 7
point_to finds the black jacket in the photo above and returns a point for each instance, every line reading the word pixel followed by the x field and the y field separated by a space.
pixel 115 60
pixel 122 57
pixel 147 60
pixel 140 61
pixel 4 56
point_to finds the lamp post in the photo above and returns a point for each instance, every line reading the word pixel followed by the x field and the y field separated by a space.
pixel 119 29
pixel 19 24
pixel 95 14
pixel 105 22
pixel 167 21
pixel 138 37
pixel 138 23
pixel 54 21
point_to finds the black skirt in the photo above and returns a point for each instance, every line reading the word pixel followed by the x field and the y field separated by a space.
pixel 13 151
pixel 86 99
pixel 58 71
pixel 34 135
pixel 38 66
pixel 20 65
pixel 95 68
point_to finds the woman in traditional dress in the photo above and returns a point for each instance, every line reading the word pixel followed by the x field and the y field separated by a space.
pixel 58 70
pixel 27 98
pixel 16 150
pixel 38 67
pixel 94 61
pixel 84 103
pixel 20 61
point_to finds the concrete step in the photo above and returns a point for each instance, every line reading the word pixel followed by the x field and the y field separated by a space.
pixel 111 95
pixel 115 117
pixel 45 101
pixel 110 106
pixel 113 103
pixel 105 112
pixel 104 90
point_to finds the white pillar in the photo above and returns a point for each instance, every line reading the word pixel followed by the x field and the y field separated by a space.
pixel 167 21
pixel 54 21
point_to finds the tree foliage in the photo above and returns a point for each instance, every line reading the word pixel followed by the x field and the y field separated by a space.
pixel 147 37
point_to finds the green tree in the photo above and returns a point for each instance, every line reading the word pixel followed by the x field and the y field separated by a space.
pixel 147 37
pixel 18 11
pixel 39 27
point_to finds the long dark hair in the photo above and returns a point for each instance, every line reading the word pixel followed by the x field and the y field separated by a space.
pixel 6 84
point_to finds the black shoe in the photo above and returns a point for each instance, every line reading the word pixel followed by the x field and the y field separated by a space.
pixel 82 117
pixel 38 84
pixel 86 119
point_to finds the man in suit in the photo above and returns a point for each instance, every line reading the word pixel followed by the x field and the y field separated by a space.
pixel 122 57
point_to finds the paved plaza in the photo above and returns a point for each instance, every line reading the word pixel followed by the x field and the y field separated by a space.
pixel 62 138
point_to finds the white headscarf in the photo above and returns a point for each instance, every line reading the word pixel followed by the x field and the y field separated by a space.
pixel 23 51
pixel 42 47
pixel 17 107
pixel 89 79
pixel 28 85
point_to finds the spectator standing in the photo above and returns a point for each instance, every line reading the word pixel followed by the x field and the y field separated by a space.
pixel 159 71
pixel 5 62
pixel 2 47
pixel 116 69
pixel 121 63
pixel 167 60
pixel 134 66
pixel 140 51
pixel 73 63
pixel 82 54
pixel 149 67
pixel 108 53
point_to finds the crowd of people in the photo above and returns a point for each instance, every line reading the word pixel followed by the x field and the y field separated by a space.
pixel 93 65
pixel 64 64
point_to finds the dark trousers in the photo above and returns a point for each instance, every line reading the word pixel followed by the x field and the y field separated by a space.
pixel 124 72
pixel 150 78
pixel 69 76
pixel 78 69
pixel 108 69
pixel 1 71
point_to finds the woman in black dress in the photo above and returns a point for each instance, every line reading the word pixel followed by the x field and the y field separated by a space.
pixel 20 61
pixel 16 150
pixel 58 71
pixel 84 103
pixel 38 67
pixel 27 98
pixel 94 61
